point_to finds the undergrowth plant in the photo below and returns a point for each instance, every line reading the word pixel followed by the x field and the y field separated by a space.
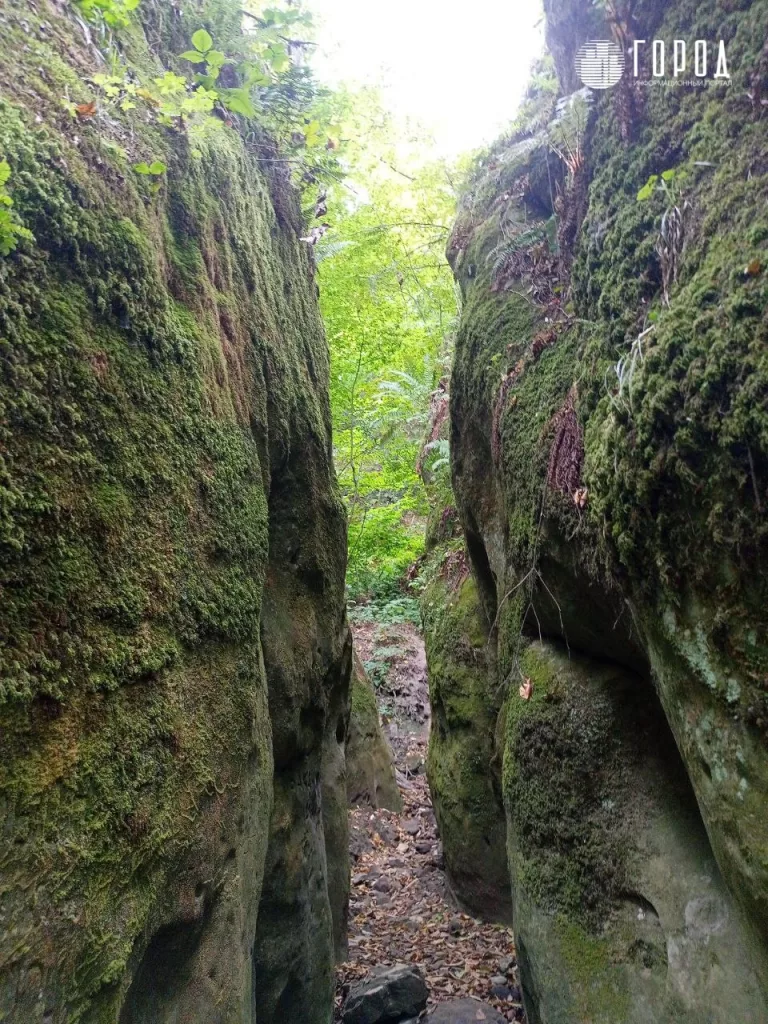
pixel 670 244
pixel 258 76
pixel 11 230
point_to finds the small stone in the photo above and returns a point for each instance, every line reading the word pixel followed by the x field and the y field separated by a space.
pixel 383 884
pixel 499 980
pixel 501 991
pixel 455 928
pixel 359 879
pixel 506 964
pixel 412 827
pixel 423 847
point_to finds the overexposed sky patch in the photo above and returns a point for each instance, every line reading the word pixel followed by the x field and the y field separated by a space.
pixel 459 69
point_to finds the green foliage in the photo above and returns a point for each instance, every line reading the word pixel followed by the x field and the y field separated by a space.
pixel 661 183
pixel 388 302
pixel 156 168
pixel 567 132
pixel 255 74
pixel 10 229
pixel 111 13
pixel 389 612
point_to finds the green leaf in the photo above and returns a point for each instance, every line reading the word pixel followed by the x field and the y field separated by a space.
pixel 216 58
pixel 648 188
pixel 158 167
pixel 192 55
pixel 5 172
pixel 131 5
pixel 668 175
pixel 202 40
pixel 278 59
pixel 238 101
pixel 142 168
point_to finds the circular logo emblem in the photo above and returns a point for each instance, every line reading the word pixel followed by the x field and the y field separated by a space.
pixel 600 63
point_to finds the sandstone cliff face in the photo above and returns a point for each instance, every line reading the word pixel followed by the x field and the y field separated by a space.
pixel 174 654
pixel 610 465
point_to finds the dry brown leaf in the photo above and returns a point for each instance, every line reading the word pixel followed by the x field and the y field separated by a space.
pixel 753 268
pixel 580 497
pixel 85 110
pixel 526 689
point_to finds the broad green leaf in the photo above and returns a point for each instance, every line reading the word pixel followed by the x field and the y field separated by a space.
pixel 215 58
pixel 192 55
pixel 5 171
pixel 648 188
pixel 238 101
pixel 158 167
pixel 142 168
pixel 668 175
pixel 202 40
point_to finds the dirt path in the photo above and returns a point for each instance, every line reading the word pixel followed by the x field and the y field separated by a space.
pixel 401 906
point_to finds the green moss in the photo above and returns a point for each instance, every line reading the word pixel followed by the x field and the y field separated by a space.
pixel 563 790
pixel 363 700
pixel 463 762
pixel 600 986
pixel 139 443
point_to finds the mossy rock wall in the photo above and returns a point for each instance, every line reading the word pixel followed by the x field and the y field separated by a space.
pixel 174 654
pixel 371 776
pixel 609 436
pixel 466 742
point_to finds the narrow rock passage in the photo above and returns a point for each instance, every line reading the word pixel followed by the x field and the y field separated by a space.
pixel 401 906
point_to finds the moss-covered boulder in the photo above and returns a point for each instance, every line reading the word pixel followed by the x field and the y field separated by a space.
pixel 609 438
pixel 466 738
pixel 621 911
pixel 370 768
pixel 466 741
pixel 172 625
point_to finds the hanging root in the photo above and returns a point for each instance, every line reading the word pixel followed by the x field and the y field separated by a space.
pixel 566 456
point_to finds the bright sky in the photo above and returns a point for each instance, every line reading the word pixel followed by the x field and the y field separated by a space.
pixel 460 69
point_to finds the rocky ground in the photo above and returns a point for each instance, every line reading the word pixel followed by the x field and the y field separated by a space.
pixel 401 907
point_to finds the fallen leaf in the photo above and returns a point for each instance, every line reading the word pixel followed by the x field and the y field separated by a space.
pixel 85 110
pixel 526 690
pixel 753 268
pixel 580 497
